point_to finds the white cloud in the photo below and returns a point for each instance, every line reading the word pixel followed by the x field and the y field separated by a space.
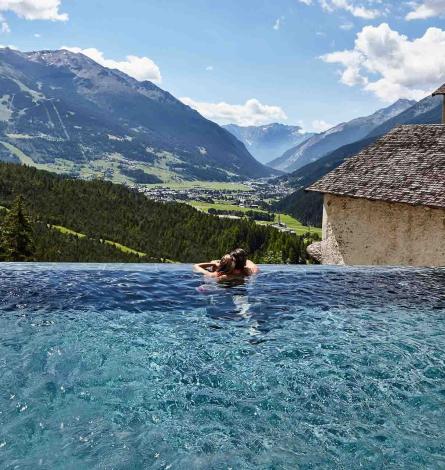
pixel 346 26
pixel 426 9
pixel 321 126
pixel 351 6
pixel 140 68
pixel 209 68
pixel 35 9
pixel 4 27
pixel 392 66
pixel 251 113
pixel 37 35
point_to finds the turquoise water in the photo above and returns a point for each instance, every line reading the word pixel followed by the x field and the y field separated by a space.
pixel 134 367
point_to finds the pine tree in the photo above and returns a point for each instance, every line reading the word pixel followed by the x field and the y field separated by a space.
pixel 16 234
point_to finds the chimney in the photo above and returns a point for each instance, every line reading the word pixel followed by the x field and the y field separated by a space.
pixel 441 91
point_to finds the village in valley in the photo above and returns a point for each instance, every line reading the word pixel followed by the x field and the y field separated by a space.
pixel 254 194
pixel 251 198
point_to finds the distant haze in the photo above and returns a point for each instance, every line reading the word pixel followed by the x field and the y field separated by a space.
pixel 268 142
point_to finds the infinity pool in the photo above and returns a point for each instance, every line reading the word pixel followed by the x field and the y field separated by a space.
pixel 140 367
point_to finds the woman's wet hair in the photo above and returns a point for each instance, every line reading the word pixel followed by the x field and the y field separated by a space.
pixel 226 265
pixel 240 258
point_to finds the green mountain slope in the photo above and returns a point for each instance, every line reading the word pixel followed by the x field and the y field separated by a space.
pixel 104 211
pixel 65 111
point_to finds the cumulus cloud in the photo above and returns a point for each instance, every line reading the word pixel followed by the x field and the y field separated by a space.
pixel 140 68
pixel 392 66
pixel 35 9
pixel 426 9
pixel 251 113
pixel 358 10
pixel 321 126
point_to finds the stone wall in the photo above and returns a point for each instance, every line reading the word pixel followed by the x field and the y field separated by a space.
pixel 363 232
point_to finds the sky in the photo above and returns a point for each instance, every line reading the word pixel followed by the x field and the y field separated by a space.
pixel 312 63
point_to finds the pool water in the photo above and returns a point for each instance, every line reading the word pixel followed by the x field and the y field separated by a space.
pixel 137 367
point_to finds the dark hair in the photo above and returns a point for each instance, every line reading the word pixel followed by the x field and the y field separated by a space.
pixel 240 258
pixel 226 265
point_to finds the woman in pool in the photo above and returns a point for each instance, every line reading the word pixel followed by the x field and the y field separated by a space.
pixel 234 264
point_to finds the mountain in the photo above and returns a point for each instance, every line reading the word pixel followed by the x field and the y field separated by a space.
pixel 342 134
pixel 268 142
pixel 76 220
pixel 426 111
pixel 64 112
pixel 307 206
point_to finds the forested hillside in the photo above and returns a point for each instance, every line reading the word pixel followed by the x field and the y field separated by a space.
pixel 100 210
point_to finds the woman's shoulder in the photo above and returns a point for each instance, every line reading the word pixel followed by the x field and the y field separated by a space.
pixel 251 267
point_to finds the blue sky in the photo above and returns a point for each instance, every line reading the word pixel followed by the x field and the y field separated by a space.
pixel 308 62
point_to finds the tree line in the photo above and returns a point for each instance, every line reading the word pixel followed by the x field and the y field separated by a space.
pixel 105 211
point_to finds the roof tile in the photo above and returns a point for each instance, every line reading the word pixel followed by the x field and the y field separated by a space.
pixel 407 165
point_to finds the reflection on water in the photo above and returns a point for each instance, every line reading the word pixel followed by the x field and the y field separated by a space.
pixel 112 366
pixel 229 300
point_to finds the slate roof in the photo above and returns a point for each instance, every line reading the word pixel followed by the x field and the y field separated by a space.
pixel 440 90
pixel 407 165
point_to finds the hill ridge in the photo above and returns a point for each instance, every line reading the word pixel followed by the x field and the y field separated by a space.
pixel 63 108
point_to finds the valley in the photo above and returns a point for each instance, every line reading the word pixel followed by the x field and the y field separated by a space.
pixel 63 112
pixel 231 200
pixel 85 221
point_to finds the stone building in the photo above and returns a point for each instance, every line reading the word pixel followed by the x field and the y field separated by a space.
pixel 386 205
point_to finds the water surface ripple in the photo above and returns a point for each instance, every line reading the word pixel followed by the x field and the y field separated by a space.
pixel 136 367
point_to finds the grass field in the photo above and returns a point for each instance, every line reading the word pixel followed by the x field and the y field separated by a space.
pixel 292 223
pixel 119 246
pixel 66 231
pixel 109 168
pixel 205 206
pixel 125 249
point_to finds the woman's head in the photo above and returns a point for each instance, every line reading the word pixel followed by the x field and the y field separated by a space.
pixel 226 265
pixel 240 258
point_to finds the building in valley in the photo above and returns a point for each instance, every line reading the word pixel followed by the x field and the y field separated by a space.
pixel 386 205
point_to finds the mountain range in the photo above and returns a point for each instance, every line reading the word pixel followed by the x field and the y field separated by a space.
pixel 307 207
pixel 63 112
pixel 270 141
pixel 319 145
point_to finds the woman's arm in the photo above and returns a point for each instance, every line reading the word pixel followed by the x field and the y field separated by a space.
pixel 203 268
